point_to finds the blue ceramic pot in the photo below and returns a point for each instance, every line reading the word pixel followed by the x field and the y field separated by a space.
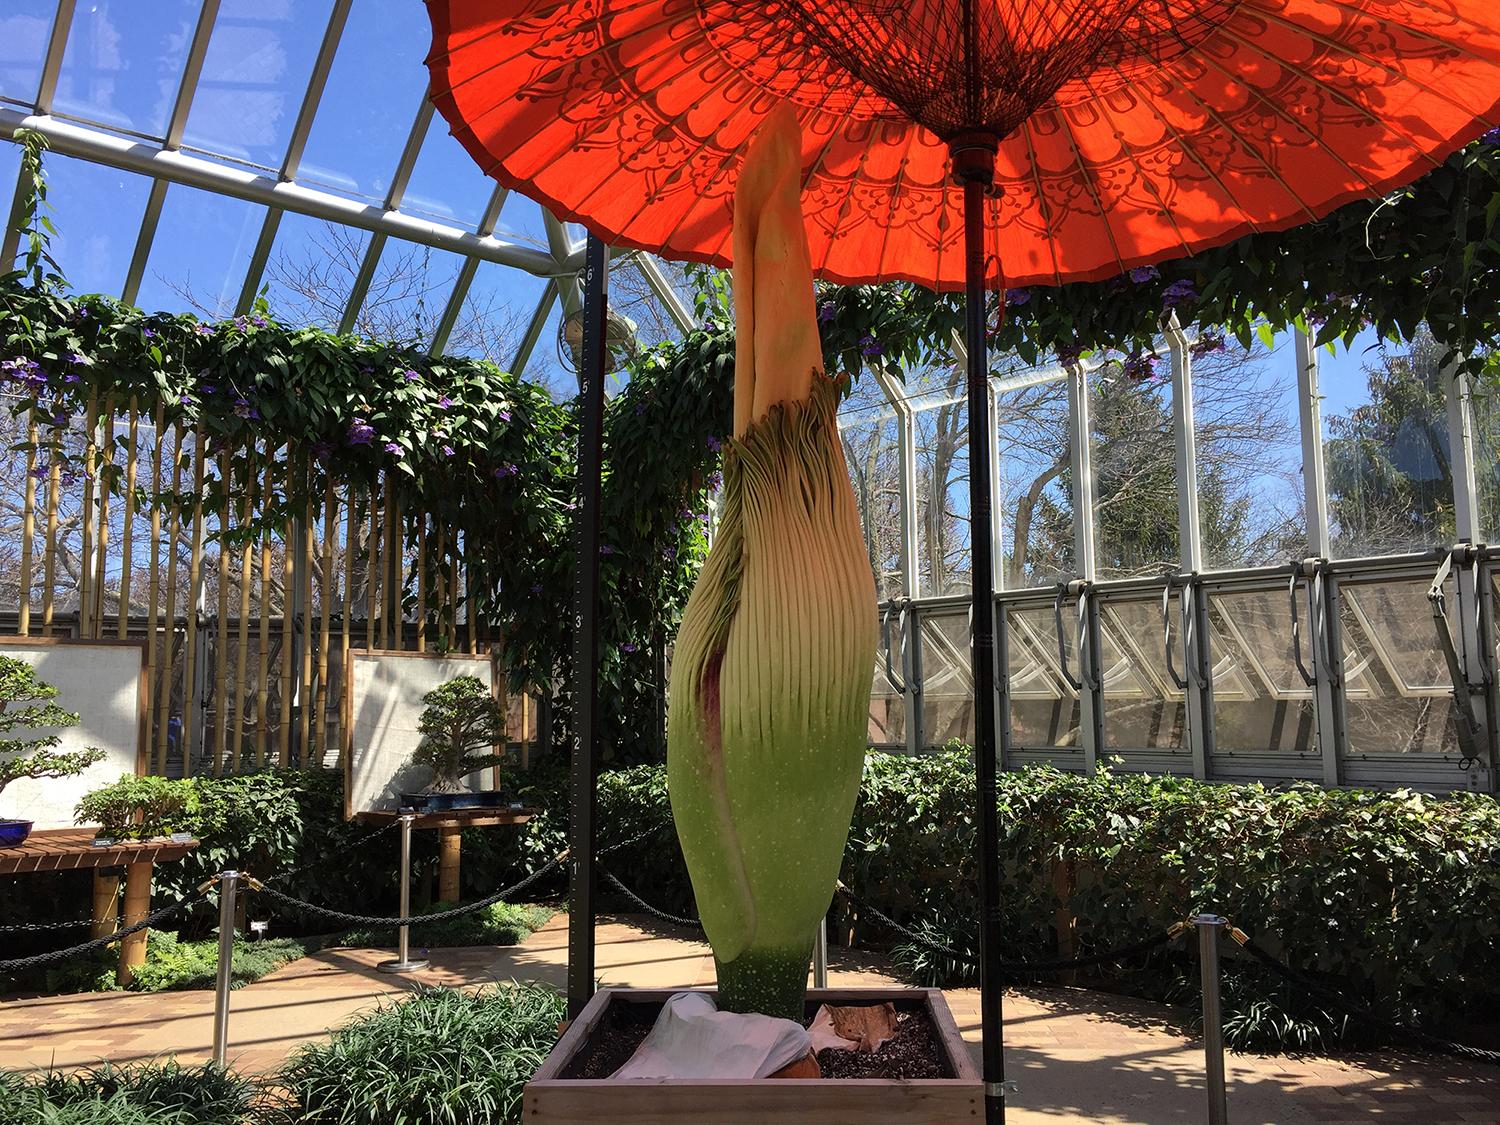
pixel 14 832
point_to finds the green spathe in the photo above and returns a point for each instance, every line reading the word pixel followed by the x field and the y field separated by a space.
pixel 769 702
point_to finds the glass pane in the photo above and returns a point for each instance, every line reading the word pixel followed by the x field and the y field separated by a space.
pixel 887 705
pixel 947 682
pixel 254 76
pixel 549 365
pixel 1400 695
pixel 201 251
pixel 495 313
pixel 944 551
pixel 872 451
pixel 311 270
pixel 1035 498
pixel 521 221
pixel 631 296
pixel 1261 703
pixel 374 90
pixel 10 168
pixel 1385 449
pixel 25 27
pixel 98 215
pixel 1143 708
pixel 1485 395
pixel 1248 446
pixel 1044 707
pixel 1135 472
pixel 124 62
pixel 446 184
pixel 408 293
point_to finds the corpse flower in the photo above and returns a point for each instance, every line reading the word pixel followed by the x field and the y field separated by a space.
pixel 766 731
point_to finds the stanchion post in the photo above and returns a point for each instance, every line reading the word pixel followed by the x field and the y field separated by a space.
pixel 403 962
pixel 229 882
pixel 820 954
pixel 1209 928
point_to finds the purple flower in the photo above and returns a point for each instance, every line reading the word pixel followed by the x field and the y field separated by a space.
pixel 685 514
pixel 444 402
pixel 411 376
pixel 185 400
pixel 1491 136
pixel 1068 353
pixel 714 444
pixel 1139 366
pixel 258 321
pixel 243 409
pixel 504 415
pixel 1015 298
pixel 203 329
pixel 640 408
pixel 40 472
pixel 827 311
pixel 77 360
pixel 1208 343
pixel 669 553
pixel 149 333
pixel 714 481
pixel 241 323
pixel 627 648
pixel 209 388
pixel 322 450
pixel 869 346
pixel 61 418
pixel 360 432
pixel 606 549
pixel 506 470
pixel 537 589
pixel 447 451
pixel 1142 274
pixel 1180 292
pixel 392 447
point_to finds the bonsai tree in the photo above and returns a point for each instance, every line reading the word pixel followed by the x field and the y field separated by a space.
pixel 461 725
pixel 26 705
pixel 771 676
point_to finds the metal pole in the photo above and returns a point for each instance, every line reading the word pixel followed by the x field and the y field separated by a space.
pixel 229 882
pixel 820 954
pixel 585 683
pixel 1209 926
pixel 403 962
pixel 974 165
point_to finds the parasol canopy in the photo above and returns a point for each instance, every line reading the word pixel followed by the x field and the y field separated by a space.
pixel 1128 131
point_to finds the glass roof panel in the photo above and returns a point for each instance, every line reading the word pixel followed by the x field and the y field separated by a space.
pixel 24 29
pixel 496 311
pixel 311 270
pixel 202 248
pixel 124 62
pixel 408 293
pixel 446 184
pixel 547 365
pixel 97 211
pixel 521 221
pixel 10 168
pixel 254 76
pixel 368 106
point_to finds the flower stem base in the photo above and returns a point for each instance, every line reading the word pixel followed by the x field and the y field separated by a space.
pixel 772 982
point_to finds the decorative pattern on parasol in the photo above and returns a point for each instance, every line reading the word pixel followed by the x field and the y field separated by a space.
pixel 1127 132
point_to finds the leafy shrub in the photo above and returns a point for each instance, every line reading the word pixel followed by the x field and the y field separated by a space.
pixel 441 1058
pixel 138 808
pixel 500 923
pixel 164 1093
pixel 173 964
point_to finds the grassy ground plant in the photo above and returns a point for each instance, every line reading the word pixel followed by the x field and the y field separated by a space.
pixel 166 1093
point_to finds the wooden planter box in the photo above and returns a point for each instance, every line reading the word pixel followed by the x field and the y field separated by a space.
pixel 553 1100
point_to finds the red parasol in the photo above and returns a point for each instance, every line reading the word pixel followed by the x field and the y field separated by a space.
pixel 1127 132
pixel 1118 132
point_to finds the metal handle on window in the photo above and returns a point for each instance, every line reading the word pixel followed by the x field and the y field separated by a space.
pixel 1093 678
pixel 1466 724
pixel 1062 647
pixel 1166 630
pixel 1291 588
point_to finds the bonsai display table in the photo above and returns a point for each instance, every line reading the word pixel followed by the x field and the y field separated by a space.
pixel 68 849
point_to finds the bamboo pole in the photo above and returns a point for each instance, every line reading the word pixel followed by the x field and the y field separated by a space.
pixel 330 528
pixel 127 524
pixel 263 657
pixel 372 567
pixel 190 635
pixel 241 691
pixel 169 635
pixel 422 590
pixel 443 595
pixel 106 462
pixel 305 713
pixel 28 528
pixel 86 550
pixel 351 537
pixel 221 643
pixel 153 595
pixel 284 733
pixel 49 542
pixel 393 632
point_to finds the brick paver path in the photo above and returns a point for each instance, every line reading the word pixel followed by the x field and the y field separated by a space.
pixel 1076 1055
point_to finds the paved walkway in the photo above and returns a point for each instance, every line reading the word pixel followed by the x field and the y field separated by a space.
pixel 1076 1055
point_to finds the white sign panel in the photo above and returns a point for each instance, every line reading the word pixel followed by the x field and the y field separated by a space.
pixel 384 707
pixel 103 684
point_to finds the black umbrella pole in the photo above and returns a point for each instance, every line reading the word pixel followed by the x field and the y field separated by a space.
pixel 976 181
pixel 583 764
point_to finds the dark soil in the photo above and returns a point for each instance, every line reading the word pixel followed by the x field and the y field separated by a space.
pixel 913 1052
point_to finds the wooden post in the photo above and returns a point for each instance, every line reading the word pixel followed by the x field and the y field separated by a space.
pixel 106 915
pixel 450 852
pixel 137 906
pixel 28 528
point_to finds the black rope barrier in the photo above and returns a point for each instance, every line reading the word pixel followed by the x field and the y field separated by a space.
pixel 40 927
pixel 17 964
pixel 687 923
pixel 1357 1010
